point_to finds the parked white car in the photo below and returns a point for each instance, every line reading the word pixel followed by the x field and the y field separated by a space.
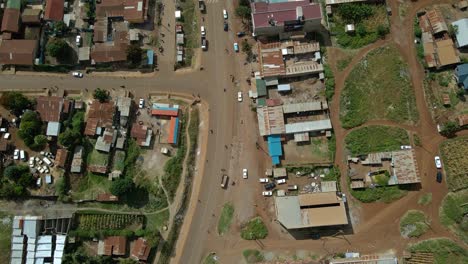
pixel 244 173
pixel 16 154
pixel 141 104
pixel 267 193
pixel 202 30
pixel 3 129
pixel 239 96
pixel 31 162
pixel 405 147
pixel 225 15
pixel 264 180
pixel 438 163
pixel 6 136
pixel 77 74
pixel 281 181
pixel 78 40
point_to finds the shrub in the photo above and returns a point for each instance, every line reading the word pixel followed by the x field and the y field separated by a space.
pixel 252 256
pixel 385 194
pixel 354 13
pixel 57 47
pixel 15 102
pixel 254 229
pixel 413 224
pixel 101 95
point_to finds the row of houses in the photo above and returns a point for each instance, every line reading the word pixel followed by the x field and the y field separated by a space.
pixel 22 29
pixel 116 246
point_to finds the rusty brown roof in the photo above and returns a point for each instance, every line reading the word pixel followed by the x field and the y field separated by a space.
pixel 54 10
pixel 61 157
pixel 115 246
pixel 463 120
pixel 49 108
pixel 31 16
pixel 141 249
pixel 18 52
pixel 139 131
pixel 99 115
pixel 10 22
pixel 109 53
pixel 135 10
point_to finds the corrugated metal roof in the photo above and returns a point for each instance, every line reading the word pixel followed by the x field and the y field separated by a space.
pixel 309 126
pixel 302 107
pixel 261 87
pixel 53 129
pixel 284 87
pixel 462 32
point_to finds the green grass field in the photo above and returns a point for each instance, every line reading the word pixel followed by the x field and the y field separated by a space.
pixel 90 186
pixel 453 212
pixel 375 139
pixel 386 194
pixel 225 220
pixel 158 220
pixel 413 224
pixel 455 162
pixel 445 250
pixel 98 158
pixel 425 199
pixel 5 237
pixel 378 87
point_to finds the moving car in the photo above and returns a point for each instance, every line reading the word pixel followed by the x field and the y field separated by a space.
pixel 438 163
pixel 244 173
pixel 77 74
pixel 239 96
pixel 405 147
pixel 226 26
pixel 439 177
pixel 224 181
pixel 202 30
pixel 270 186
pixel 236 47
pixel 141 103
pixel 240 34
pixel 267 193
pixel 281 181
pixel 264 180
pixel 225 15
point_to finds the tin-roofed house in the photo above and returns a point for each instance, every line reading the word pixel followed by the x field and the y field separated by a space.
pixel 52 110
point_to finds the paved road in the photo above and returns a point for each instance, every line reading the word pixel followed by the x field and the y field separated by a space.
pixel 209 84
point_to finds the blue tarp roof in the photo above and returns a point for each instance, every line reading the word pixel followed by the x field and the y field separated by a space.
pixel 274 148
pixel 150 55
pixel 462 74
pixel 176 131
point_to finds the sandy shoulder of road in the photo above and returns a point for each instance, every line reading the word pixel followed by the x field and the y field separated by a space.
pixel 197 179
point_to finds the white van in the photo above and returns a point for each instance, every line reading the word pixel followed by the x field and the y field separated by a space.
pixel 47 161
pixel 22 155
pixel 202 30
pixel 225 14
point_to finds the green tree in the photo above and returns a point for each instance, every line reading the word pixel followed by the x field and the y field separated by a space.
pixel 450 128
pixel 382 30
pixel 60 27
pixel 40 141
pixel 361 30
pixel 354 13
pixel 57 47
pixel 243 12
pixel 69 137
pixel 78 121
pixel 128 261
pixel 120 187
pixel 134 54
pixel 16 102
pixel 452 30
pixel 12 172
pixel 101 95
pixel 30 126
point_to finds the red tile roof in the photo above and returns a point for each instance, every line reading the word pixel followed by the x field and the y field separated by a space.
pixel 159 112
pixel 141 250
pixel 54 10
pixel 10 22
pixel 262 12
pixel 61 157
pixel 18 52
pixel 49 108
pixel 115 246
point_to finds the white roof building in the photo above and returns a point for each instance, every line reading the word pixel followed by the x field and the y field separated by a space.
pixel 461 32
